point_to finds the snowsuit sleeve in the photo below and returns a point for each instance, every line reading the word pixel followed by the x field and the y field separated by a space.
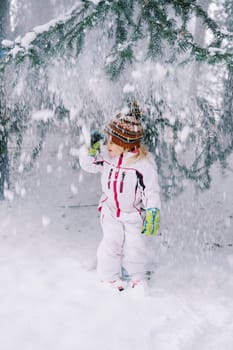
pixel 151 192
pixel 89 163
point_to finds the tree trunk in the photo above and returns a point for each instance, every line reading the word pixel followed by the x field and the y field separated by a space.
pixel 4 160
pixel 199 37
pixel 32 13
pixel 228 93
pixel 4 163
pixel 4 18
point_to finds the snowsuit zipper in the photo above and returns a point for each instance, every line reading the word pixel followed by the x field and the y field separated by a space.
pixel 122 182
pixel 109 178
pixel 118 212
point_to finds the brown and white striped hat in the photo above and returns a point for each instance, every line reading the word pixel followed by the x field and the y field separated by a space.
pixel 126 129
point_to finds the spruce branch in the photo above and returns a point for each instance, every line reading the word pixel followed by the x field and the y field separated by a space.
pixel 57 36
pixel 133 20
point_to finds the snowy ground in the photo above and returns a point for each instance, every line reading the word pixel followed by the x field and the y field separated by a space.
pixel 50 297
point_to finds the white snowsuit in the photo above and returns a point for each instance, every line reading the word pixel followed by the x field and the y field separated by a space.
pixel 128 188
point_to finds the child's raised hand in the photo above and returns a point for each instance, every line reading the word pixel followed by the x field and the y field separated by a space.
pixel 94 149
pixel 96 138
pixel 152 222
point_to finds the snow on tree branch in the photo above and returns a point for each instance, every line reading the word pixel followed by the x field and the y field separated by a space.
pixel 129 22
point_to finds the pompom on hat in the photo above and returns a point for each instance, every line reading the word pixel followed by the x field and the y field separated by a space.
pixel 126 129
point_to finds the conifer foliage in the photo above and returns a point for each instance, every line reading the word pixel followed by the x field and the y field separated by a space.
pixel 127 23
pixel 163 31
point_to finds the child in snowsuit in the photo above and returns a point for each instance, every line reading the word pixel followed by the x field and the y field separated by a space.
pixel 130 203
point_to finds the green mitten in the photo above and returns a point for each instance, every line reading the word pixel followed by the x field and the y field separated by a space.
pixel 94 149
pixel 151 222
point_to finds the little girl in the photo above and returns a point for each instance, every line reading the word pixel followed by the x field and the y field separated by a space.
pixel 130 202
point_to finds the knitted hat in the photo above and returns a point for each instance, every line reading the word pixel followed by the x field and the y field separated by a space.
pixel 126 129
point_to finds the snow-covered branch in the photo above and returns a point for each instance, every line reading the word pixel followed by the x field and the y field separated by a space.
pixel 129 25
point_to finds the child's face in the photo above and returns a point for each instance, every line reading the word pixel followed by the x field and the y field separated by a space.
pixel 113 149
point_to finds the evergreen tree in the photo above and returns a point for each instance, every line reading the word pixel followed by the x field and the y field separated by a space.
pixel 131 32
pixel 128 23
